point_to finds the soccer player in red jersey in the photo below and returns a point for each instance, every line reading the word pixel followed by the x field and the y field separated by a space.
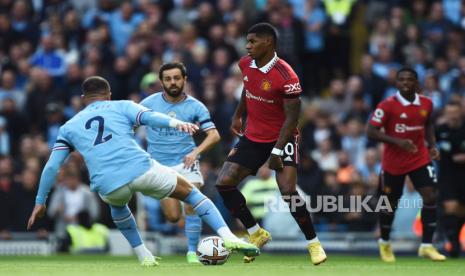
pixel 406 120
pixel 271 97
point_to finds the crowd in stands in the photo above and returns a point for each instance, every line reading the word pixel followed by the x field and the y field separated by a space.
pixel 345 52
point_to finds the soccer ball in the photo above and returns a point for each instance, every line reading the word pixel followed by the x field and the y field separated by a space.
pixel 211 251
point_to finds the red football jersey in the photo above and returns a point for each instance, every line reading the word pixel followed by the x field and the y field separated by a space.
pixel 406 120
pixel 265 88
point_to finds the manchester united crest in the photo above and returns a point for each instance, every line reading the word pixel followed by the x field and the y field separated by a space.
pixel 266 85
pixel 424 112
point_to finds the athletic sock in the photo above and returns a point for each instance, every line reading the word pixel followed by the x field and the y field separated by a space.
pixel 192 228
pixel 385 223
pixel 428 219
pixel 208 212
pixel 235 202
pixel 126 224
pixel 253 229
pixel 301 215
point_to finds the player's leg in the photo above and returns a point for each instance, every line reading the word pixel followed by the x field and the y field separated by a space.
pixel 160 182
pixel 192 229
pixel 193 223
pixel 452 222
pixel 287 180
pixel 172 209
pixel 126 224
pixel 424 180
pixel 206 210
pixel 452 194
pixel 390 186
pixel 244 159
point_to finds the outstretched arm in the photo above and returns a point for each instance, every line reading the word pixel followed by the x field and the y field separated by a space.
pixel 212 138
pixel 157 119
pixel 47 180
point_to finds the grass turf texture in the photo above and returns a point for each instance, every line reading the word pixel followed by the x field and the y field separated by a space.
pixel 269 265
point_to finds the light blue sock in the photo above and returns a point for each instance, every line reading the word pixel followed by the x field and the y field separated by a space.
pixel 193 228
pixel 125 222
pixel 206 210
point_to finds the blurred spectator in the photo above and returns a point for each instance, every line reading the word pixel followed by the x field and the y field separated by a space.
pixel 48 58
pixel 22 24
pixel 85 236
pixel 24 194
pixel 362 221
pixel 326 156
pixel 257 191
pixel 6 197
pixel 42 91
pixel 314 21
pixel 183 14
pixel 371 166
pixel 123 22
pixel 346 173
pixel 8 89
pixel 5 147
pixel 354 141
pixel 339 102
pixel 69 199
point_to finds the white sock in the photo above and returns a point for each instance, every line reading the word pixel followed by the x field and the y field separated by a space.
pixel 142 252
pixel 315 239
pixel 382 241
pixel 426 244
pixel 253 229
pixel 226 234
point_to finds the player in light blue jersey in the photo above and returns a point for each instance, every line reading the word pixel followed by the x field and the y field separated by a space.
pixel 103 134
pixel 177 149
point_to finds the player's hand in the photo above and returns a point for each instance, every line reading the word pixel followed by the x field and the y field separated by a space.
pixel 236 126
pixel 275 163
pixel 407 145
pixel 190 159
pixel 187 127
pixel 434 153
pixel 38 212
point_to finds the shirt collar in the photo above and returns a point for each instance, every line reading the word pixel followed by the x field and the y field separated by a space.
pixel 267 67
pixel 405 102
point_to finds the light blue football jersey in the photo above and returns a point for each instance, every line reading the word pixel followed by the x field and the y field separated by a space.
pixel 103 134
pixel 169 145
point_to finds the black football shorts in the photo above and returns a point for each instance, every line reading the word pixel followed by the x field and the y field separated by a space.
pixel 253 155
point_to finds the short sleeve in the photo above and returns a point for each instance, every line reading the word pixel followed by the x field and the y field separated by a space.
pixel 203 117
pixel 292 88
pixel 133 111
pixel 62 143
pixel 378 117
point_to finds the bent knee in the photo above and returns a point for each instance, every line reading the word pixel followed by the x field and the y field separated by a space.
pixel 225 180
pixel 172 217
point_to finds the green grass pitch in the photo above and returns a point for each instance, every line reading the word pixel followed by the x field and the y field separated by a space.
pixel 268 265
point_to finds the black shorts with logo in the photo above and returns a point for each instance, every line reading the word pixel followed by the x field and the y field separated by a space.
pixel 392 185
pixel 253 155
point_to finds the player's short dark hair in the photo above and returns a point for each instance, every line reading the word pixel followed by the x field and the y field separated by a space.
pixel 172 65
pixel 264 29
pixel 407 69
pixel 95 85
